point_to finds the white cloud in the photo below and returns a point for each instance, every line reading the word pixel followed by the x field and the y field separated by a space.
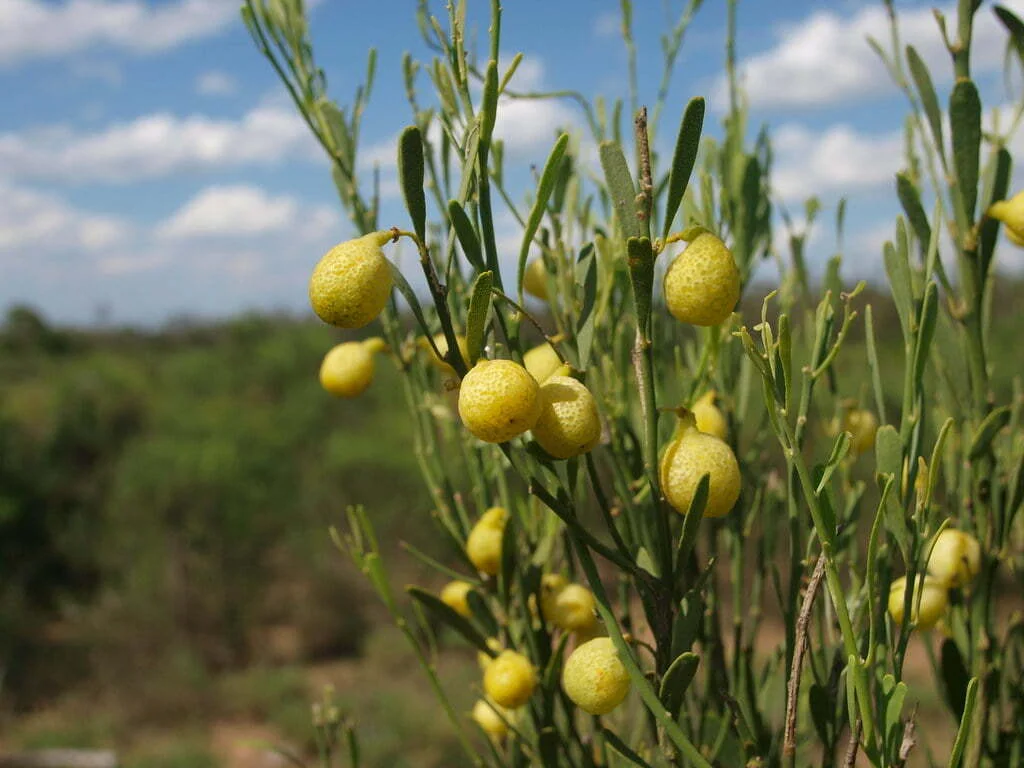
pixel 838 158
pixel 607 24
pixel 216 83
pixel 825 58
pixel 33 221
pixel 155 145
pixel 244 211
pixel 36 29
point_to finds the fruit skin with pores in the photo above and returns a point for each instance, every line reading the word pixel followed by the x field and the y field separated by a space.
pixel 702 284
pixel 352 282
pixel 569 423
pixel 710 419
pixel 509 679
pixel 535 279
pixel 568 606
pixel 542 361
pixel 485 714
pixel 454 595
pixel 347 369
pixel 690 455
pixel 956 558
pixel 595 678
pixel 863 426
pixel 498 400
pixel 934 600
pixel 483 546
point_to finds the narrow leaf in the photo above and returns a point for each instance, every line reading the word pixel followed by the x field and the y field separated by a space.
pixel 677 680
pixel 965 725
pixel 930 102
pixel 620 746
pixel 410 297
pixel 476 322
pixel 621 188
pixel 691 524
pixel 547 183
pixel 988 430
pixel 410 174
pixel 441 612
pixel 965 121
pixel 466 234
pixel 955 676
pixel 687 145
pixel 910 199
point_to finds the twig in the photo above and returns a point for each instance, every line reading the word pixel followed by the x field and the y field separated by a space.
pixel 851 749
pixel 793 688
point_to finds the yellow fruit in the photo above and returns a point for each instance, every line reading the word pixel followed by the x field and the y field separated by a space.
pixel 590 632
pixel 535 279
pixel 934 599
pixel 484 659
pixel 510 679
pixel 569 607
pixel 702 284
pixel 542 362
pixel 689 456
pixel 1011 214
pixel 498 400
pixel 347 369
pixel 442 345
pixel 486 716
pixel 709 419
pixel 956 558
pixel 862 425
pixel 484 543
pixel 569 423
pixel 595 678
pixel 352 282
pixel 454 596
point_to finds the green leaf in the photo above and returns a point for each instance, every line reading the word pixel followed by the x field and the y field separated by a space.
pixel 476 321
pixel 893 710
pixel 410 297
pixel 840 448
pixel 926 331
pixel 965 724
pixel 466 234
pixel 990 227
pixel 965 122
pixel 1014 26
pixel 954 676
pixel 489 103
pixel 441 612
pixel 691 525
pixel 640 259
pixel 410 174
pixel 482 613
pixel 621 188
pixel 687 145
pixel 586 275
pixel 677 680
pixel 619 746
pixel 898 269
pixel 930 102
pixel 821 705
pixel 876 371
pixel 988 430
pixel 910 199
pixel 889 451
pixel 547 183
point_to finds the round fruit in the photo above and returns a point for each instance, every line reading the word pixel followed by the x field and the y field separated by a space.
pixel 689 456
pixel 595 678
pixel 352 282
pixel 702 284
pixel 442 345
pixel 485 659
pixel 934 599
pixel 498 400
pixel 542 362
pixel 347 369
pixel 709 418
pixel 1011 214
pixel 484 543
pixel 535 279
pixel 570 607
pixel 454 596
pixel 486 716
pixel 510 679
pixel 956 558
pixel 569 423
pixel 862 425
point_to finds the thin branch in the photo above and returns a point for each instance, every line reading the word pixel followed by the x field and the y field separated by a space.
pixel 851 749
pixel 793 688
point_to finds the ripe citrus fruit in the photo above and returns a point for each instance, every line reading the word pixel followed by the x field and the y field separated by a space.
pixel 509 679
pixel 934 599
pixel 454 596
pixel 567 606
pixel 347 369
pixel 710 419
pixel 1011 214
pixel 569 423
pixel 486 716
pixel 863 426
pixel 352 282
pixel 702 284
pixel 442 345
pixel 595 678
pixel 484 543
pixel 498 400
pixel 541 361
pixel 689 456
pixel 535 279
pixel 956 558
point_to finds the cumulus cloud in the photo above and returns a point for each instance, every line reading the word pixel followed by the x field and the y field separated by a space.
pixel 154 146
pixel 825 59
pixel 245 211
pixel 216 83
pixel 33 221
pixel 31 29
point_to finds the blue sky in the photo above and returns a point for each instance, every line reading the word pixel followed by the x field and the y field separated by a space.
pixel 151 166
